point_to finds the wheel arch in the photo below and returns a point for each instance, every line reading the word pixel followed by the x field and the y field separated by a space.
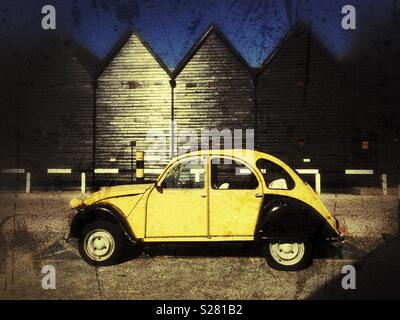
pixel 285 218
pixel 95 212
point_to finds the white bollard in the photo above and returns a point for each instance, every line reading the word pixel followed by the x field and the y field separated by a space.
pixel 318 183
pixel 384 184
pixel 83 182
pixel 28 183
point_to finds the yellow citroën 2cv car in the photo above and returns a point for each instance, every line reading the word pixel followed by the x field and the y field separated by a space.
pixel 203 196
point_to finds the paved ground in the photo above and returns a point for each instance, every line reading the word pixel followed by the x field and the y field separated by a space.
pixel 32 229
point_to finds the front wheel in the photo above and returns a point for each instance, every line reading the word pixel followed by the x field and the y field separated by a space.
pixel 101 243
pixel 287 256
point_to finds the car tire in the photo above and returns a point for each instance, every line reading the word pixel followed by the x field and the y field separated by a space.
pixel 287 256
pixel 101 243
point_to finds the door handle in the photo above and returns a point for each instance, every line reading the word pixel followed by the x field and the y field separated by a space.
pixel 203 196
pixel 259 195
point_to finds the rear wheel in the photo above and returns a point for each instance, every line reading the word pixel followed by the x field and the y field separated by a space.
pixel 288 256
pixel 101 243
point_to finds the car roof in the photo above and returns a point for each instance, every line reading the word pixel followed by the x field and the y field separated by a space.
pixel 242 154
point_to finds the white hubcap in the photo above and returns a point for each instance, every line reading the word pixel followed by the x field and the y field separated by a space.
pixel 287 254
pixel 99 244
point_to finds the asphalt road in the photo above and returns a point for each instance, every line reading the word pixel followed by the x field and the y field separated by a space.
pixel 33 229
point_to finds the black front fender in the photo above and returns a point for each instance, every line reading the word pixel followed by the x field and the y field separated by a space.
pixel 99 211
pixel 287 219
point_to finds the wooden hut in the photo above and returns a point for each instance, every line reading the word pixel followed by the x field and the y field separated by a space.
pixel 50 111
pixel 133 110
pixel 304 112
pixel 214 91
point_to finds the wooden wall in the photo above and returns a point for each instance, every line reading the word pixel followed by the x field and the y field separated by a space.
pixel 214 90
pixel 303 107
pixel 297 104
pixel 8 127
pixel 50 111
pixel 133 104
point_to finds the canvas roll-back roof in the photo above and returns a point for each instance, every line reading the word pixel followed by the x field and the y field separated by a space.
pixel 242 154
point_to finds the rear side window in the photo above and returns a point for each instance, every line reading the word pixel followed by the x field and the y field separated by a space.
pixel 275 177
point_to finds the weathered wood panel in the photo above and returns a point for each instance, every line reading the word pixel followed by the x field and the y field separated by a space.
pixel 214 90
pixel 303 107
pixel 133 104
pixel 299 109
pixel 52 111
pixel 8 127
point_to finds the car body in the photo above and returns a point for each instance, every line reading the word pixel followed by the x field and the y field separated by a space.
pixel 210 195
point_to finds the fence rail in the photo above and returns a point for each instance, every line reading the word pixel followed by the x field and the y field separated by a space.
pixel 155 172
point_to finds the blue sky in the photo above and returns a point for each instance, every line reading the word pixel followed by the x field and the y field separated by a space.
pixel 172 26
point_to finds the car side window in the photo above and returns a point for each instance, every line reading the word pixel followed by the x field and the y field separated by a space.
pixel 275 177
pixel 228 174
pixel 187 174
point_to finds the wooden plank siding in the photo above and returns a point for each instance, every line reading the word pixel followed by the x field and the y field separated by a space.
pixel 303 106
pixel 376 131
pixel 68 114
pixel 9 125
pixel 133 103
pixel 214 90
pixel 53 111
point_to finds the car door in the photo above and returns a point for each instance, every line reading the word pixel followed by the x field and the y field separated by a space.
pixel 236 197
pixel 177 207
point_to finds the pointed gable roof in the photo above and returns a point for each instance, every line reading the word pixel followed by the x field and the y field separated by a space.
pixel 299 28
pixel 212 29
pixel 90 61
pixel 122 42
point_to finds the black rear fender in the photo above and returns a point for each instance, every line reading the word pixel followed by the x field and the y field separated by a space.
pixel 287 219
